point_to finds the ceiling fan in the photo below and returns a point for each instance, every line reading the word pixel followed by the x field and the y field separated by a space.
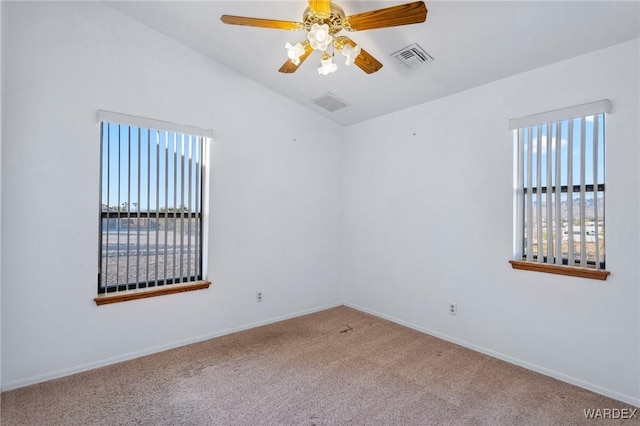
pixel 323 20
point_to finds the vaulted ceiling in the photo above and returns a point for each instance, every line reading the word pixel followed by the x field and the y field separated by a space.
pixel 472 43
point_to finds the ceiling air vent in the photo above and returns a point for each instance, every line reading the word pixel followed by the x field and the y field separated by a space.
pixel 330 102
pixel 412 56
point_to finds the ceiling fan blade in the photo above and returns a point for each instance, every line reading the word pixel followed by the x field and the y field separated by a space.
pixel 404 14
pixel 320 7
pixel 364 60
pixel 367 63
pixel 262 23
pixel 289 67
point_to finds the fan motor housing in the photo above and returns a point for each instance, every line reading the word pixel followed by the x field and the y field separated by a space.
pixel 336 19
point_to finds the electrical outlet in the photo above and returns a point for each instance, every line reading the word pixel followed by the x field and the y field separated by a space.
pixel 258 296
pixel 453 308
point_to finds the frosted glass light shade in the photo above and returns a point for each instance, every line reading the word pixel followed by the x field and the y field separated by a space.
pixel 319 37
pixel 351 53
pixel 294 52
pixel 327 66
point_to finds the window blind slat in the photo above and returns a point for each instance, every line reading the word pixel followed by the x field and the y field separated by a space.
pixel 138 210
pixel 529 196
pixel 181 257
pixel 558 193
pixel 596 231
pixel 166 204
pixel 118 207
pixel 539 195
pixel 583 193
pixel 199 176
pixel 549 197
pixel 128 206
pixel 519 199
pixel 189 210
pixel 570 247
pixel 148 202
pixel 157 263
pixel 175 201
pixel 106 263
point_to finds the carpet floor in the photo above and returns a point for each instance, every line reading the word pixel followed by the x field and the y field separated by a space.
pixel 335 367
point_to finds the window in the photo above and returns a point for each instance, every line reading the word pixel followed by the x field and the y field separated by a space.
pixel 152 181
pixel 560 191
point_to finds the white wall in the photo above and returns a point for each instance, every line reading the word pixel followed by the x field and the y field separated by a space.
pixel 428 214
pixel 275 202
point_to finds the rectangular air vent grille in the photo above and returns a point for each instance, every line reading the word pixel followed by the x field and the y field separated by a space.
pixel 330 102
pixel 412 56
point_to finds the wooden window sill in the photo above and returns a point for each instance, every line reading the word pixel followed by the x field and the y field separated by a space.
pixel 595 274
pixel 150 292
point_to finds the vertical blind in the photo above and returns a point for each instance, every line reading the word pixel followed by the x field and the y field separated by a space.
pixel 560 186
pixel 151 203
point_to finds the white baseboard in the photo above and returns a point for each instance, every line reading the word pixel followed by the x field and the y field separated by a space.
pixel 538 369
pixel 132 355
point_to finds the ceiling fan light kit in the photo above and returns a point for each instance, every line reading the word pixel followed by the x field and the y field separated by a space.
pixel 351 53
pixel 294 52
pixel 327 66
pixel 319 37
pixel 323 20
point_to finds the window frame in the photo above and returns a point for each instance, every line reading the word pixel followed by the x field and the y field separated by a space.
pixel 588 269
pixel 119 292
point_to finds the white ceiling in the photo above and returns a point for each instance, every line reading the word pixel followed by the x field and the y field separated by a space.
pixel 472 42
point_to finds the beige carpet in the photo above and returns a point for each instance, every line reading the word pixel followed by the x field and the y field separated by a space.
pixel 336 367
